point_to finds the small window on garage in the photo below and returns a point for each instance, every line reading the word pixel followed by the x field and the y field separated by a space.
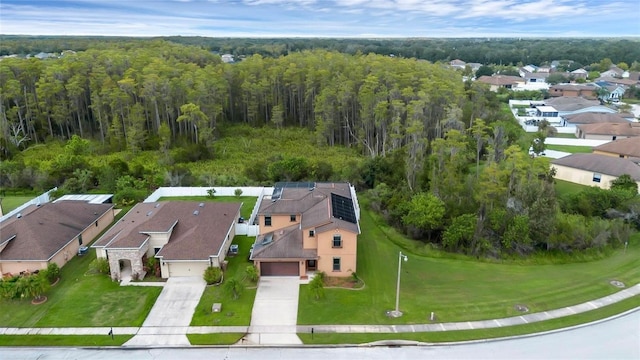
pixel 267 221
pixel 597 177
pixel 312 233
pixel 96 224
pixel 80 239
pixel 292 218
pixel 336 264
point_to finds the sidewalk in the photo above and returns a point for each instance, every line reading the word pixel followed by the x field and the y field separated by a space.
pixel 466 325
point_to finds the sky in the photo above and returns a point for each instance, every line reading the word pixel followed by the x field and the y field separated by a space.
pixel 323 18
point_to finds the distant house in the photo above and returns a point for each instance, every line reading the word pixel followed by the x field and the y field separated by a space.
pixel 306 227
pixel 536 77
pixel 457 64
pixel 594 169
pixel 527 69
pixel 227 58
pixel 501 81
pixel 576 105
pixel 43 55
pixel 592 118
pixel 579 74
pixel 618 81
pixel 613 71
pixel 185 236
pixel 608 131
pixel 622 148
pixel 587 91
pixel 50 233
pixel 613 92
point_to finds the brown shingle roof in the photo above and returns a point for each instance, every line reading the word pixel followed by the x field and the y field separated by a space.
pixel 614 129
pixel 43 230
pixel 593 118
pixel 285 244
pixel 500 80
pixel 194 236
pixel 601 164
pixel 627 147
pixel 567 103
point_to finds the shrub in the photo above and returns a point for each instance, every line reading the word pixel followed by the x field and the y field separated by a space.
pixel 100 266
pixel 252 273
pixel 317 286
pixel 211 193
pixel 52 273
pixel 213 275
pixel 234 287
pixel 238 192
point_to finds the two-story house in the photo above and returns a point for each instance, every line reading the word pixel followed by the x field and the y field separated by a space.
pixel 307 227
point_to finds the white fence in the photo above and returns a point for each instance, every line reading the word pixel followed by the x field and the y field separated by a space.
pixel 41 199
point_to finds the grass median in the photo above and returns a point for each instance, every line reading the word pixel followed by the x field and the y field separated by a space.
pixel 63 340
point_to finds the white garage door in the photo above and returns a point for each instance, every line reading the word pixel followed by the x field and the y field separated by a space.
pixel 186 269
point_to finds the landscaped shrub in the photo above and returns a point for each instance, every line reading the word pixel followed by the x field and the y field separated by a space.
pixel 100 266
pixel 212 275
pixel 252 273
pixel 316 285
pixel 52 273
pixel 234 287
pixel 238 192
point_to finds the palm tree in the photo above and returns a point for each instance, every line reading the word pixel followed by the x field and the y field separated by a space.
pixel 234 287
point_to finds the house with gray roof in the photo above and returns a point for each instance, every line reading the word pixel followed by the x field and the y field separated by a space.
pixel 306 227
pixel 595 169
pixel 185 236
pixel 623 148
pixel 41 234
pixel 576 105
pixel 592 118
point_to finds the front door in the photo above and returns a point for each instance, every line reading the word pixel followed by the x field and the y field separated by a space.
pixel 311 265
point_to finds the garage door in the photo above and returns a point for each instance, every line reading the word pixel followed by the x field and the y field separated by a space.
pixel 279 269
pixel 186 269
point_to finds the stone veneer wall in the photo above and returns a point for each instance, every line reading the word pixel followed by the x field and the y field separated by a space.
pixel 135 256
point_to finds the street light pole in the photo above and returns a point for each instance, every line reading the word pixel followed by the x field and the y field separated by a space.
pixel 397 312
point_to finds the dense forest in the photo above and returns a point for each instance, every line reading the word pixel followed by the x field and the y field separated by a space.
pixel 481 50
pixel 439 157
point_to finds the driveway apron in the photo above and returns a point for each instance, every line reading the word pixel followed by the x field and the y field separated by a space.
pixel 169 319
pixel 275 312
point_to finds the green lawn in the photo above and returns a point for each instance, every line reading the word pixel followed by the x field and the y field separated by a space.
pixel 63 340
pixel 566 187
pixel 465 335
pixel 570 148
pixel 214 339
pixel 234 312
pixel 565 136
pixel 11 202
pixel 248 202
pixel 459 289
pixel 82 299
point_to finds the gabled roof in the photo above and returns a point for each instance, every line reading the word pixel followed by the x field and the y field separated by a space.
pixel 575 87
pixel 595 118
pixel 565 103
pixel 617 129
pixel 537 75
pixel 602 164
pixel 197 230
pixel 315 202
pixel 39 232
pixel 628 147
pixel 284 243
pixel 500 80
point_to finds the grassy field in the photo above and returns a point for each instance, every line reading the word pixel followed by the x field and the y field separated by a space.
pixel 234 312
pixel 63 340
pixel 11 202
pixel 570 148
pixel 459 289
pixel 82 299
pixel 565 136
pixel 465 335
pixel 566 187
pixel 248 202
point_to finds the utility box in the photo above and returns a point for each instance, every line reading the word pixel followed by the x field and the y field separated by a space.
pixel 216 307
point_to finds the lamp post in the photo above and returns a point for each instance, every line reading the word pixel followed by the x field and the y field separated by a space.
pixel 397 312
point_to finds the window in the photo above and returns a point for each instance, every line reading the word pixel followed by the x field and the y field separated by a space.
pixel 312 233
pixel 156 250
pixel 96 224
pixel 292 218
pixel 337 241
pixel 336 264
pixel 597 177
pixel 267 221
pixel 80 239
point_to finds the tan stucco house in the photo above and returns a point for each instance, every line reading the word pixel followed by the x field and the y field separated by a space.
pixel 595 169
pixel 185 236
pixel 623 148
pixel 306 227
pixel 608 131
pixel 50 233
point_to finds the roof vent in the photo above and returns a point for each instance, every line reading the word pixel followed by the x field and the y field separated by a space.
pixel 19 215
pixel 196 213
pixel 201 204
pixel 157 205
pixel 149 213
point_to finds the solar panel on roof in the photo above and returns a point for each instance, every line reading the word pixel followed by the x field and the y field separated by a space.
pixel 342 208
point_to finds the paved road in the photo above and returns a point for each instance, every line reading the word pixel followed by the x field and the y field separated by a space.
pixel 613 339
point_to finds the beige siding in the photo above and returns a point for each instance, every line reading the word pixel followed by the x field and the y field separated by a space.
pixel 16 267
pixel 600 152
pixel 309 242
pixel 582 177
pixel 346 253
pixel 157 240
pixel 277 222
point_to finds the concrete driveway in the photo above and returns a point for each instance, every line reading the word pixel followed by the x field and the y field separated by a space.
pixel 275 311
pixel 171 315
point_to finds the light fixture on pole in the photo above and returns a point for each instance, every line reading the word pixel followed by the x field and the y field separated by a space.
pixel 397 312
